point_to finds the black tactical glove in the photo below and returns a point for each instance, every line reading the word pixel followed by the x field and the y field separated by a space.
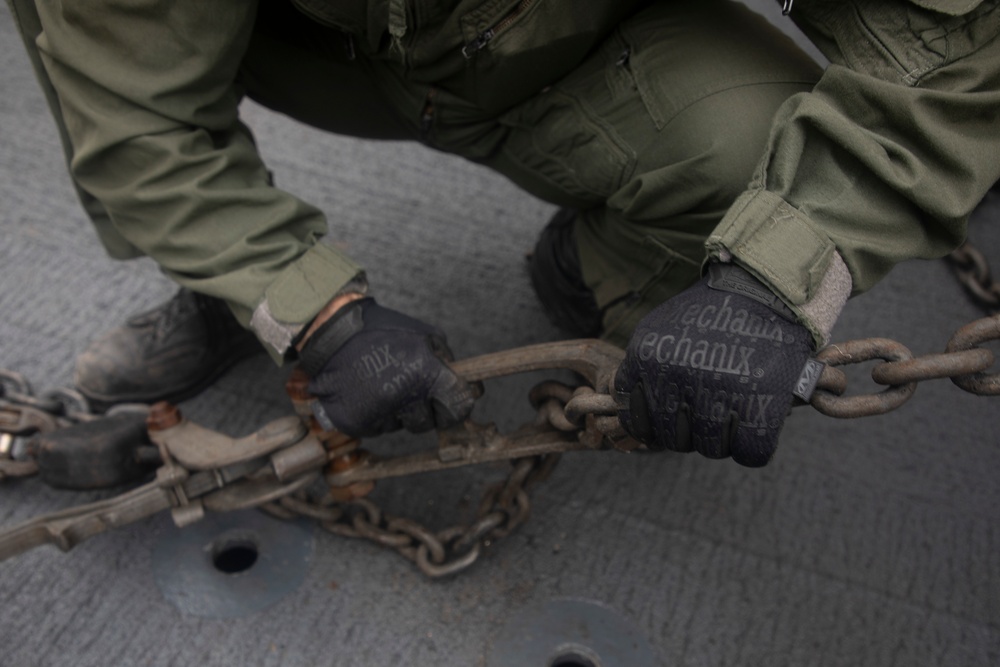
pixel 715 369
pixel 374 370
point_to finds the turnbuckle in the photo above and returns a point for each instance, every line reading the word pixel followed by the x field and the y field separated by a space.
pixel 203 470
pixel 584 418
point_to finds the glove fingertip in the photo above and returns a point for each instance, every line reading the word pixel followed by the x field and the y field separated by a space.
pixel 683 442
pixel 752 459
pixel 438 344
pixel 417 417
pixel 453 403
pixel 640 424
pixel 755 453
pixel 730 432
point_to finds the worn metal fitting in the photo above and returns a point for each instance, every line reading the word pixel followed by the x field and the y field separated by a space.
pixel 300 458
pixel 342 463
pixel 336 443
pixel 163 415
pixel 187 514
pixel 297 388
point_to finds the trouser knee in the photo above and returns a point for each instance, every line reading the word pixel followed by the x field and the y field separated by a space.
pixel 646 243
pixel 653 138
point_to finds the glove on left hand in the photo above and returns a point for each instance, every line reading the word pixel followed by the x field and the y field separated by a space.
pixel 374 370
pixel 714 369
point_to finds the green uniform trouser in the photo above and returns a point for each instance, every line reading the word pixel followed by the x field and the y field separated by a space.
pixel 653 135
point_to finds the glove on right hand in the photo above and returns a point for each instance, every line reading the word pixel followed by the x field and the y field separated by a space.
pixel 375 370
pixel 714 369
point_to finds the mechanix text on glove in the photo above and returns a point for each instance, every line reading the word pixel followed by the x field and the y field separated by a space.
pixel 714 369
pixel 375 370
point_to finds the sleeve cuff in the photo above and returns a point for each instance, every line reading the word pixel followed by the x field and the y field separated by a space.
pixel 782 247
pixel 299 292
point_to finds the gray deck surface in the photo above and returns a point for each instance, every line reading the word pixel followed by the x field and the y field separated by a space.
pixel 873 542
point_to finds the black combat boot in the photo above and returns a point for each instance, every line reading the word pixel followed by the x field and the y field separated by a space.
pixel 555 273
pixel 169 353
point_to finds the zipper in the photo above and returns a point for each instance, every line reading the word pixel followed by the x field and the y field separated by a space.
pixel 486 36
pixel 351 52
pixel 427 115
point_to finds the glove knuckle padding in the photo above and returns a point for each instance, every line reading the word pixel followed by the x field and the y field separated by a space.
pixel 716 370
pixel 390 373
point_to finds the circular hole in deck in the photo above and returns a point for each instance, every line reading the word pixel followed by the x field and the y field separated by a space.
pixel 231 564
pixel 574 658
pixel 234 554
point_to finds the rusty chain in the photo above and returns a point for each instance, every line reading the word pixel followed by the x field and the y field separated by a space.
pixel 586 418
pixel 504 506
pixel 963 361
pixel 973 270
pixel 24 413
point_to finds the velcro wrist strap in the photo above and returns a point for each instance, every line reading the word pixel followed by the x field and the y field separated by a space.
pixel 332 335
pixel 735 279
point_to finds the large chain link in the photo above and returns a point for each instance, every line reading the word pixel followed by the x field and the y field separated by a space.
pixel 588 414
pixel 593 414
pixel 963 361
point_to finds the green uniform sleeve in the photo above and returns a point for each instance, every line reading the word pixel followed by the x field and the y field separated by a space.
pixel 146 93
pixel 885 159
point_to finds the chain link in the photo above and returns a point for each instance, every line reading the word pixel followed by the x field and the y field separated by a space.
pixel 64 403
pixel 963 361
pixel 589 414
pixel 973 270
pixel 24 413
pixel 504 506
pixel 12 469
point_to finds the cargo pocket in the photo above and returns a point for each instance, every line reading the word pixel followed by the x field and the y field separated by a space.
pixel 556 144
pixel 681 53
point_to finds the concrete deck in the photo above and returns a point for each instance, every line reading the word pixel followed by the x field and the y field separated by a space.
pixel 866 542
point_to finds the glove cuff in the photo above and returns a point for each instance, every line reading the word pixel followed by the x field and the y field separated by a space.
pixel 818 314
pixel 735 279
pixel 332 334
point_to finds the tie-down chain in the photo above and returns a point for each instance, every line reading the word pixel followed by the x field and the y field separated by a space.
pixel 292 468
pixel 23 413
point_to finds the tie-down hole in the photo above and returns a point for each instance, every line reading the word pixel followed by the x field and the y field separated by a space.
pixel 235 551
pixel 573 655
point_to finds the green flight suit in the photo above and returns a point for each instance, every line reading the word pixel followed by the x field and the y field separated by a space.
pixel 650 117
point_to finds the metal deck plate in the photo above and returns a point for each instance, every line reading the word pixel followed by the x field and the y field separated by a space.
pixel 231 565
pixel 865 542
pixel 571 633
